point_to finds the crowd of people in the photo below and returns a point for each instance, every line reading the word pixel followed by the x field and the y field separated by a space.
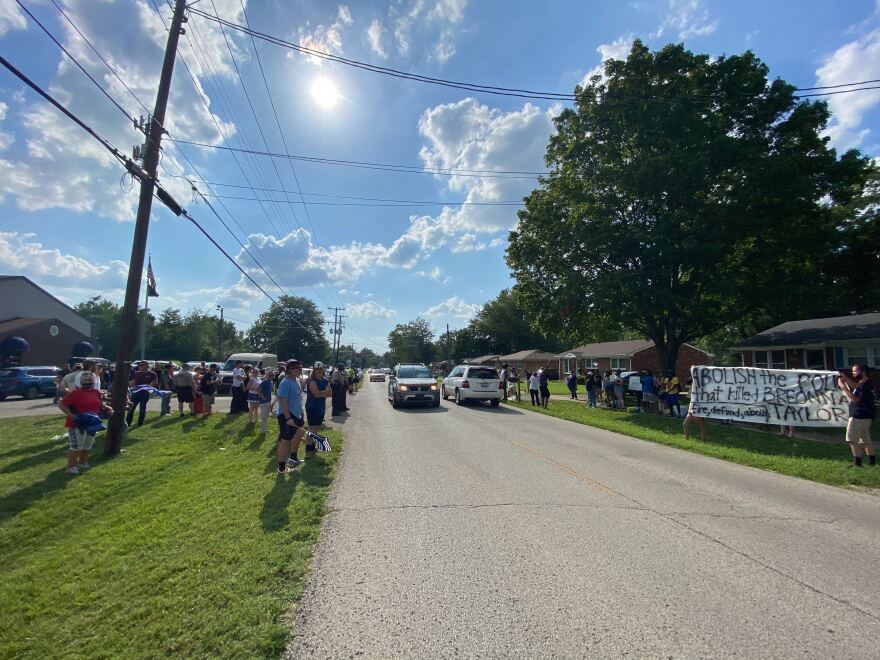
pixel 83 395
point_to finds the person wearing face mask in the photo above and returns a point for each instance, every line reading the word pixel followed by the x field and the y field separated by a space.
pixel 82 407
pixel 862 411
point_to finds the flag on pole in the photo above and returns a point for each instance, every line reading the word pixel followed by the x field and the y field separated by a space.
pixel 151 281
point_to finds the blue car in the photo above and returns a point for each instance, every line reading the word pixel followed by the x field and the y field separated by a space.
pixel 29 382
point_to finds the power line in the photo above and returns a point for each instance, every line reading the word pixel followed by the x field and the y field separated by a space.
pixel 387 167
pixel 489 89
pixel 391 204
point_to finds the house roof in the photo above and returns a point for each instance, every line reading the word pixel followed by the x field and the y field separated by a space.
pixel 4 278
pixel 480 359
pixel 610 348
pixel 818 331
pixel 522 356
pixel 12 325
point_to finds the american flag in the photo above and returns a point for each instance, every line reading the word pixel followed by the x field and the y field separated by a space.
pixel 151 280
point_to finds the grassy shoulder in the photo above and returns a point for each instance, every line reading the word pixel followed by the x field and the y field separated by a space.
pixel 186 545
pixel 792 456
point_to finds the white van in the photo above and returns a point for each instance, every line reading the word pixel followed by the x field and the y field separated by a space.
pixel 258 360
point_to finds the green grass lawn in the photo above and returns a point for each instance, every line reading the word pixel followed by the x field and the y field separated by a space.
pixel 186 545
pixel 793 456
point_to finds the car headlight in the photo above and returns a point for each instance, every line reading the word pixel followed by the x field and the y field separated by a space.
pixel 433 388
pixel 402 388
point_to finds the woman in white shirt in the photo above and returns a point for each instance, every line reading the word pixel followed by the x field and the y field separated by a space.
pixel 253 394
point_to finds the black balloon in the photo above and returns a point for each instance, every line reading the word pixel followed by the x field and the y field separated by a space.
pixel 83 348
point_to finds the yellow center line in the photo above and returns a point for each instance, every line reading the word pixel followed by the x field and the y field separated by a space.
pixel 570 470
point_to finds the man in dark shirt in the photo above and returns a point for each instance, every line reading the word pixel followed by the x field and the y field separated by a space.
pixel 143 376
pixel 862 411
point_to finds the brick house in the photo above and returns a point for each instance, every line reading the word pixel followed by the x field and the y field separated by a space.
pixel 629 355
pixel 831 343
pixel 530 360
pixel 51 340
pixel 482 360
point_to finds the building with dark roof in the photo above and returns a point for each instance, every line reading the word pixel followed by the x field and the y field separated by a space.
pixel 49 326
pixel 831 343
pixel 628 355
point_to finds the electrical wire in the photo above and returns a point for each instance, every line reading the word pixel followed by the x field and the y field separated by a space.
pixel 389 204
pixel 490 89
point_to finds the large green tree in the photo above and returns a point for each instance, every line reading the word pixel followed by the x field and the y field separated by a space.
pixel 685 193
pixel 411 342
pixel 105 317
pixel 504 327
pixel 291 328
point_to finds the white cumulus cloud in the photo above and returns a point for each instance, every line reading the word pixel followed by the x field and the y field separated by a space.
pixel 686 18
pixel 856 60
pixel 368 310
pixel 325 38
pixel 616 50
pixel 375 36
pixel 452 308
pixel 11 17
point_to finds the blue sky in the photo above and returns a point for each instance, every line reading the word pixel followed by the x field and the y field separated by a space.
pixel 66 218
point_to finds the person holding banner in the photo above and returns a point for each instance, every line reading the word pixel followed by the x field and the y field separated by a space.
pixel 862 411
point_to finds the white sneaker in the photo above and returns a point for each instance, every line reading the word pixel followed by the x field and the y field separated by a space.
pixel 72 470
pixel 83 466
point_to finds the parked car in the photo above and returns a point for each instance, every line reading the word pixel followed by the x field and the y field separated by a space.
pixel 471 382
pixel 198 363
pixel 28 382
pixel 97 360
pixel 413 383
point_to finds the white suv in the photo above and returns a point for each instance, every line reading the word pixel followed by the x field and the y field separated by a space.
pixel 471 382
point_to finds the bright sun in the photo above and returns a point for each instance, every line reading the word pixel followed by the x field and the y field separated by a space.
pixel 324 91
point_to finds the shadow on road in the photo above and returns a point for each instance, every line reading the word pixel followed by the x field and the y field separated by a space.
pixel 430 410
pixel 486 409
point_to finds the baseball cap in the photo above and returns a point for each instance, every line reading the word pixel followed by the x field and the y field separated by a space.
pixel 290 364
pixel 319 365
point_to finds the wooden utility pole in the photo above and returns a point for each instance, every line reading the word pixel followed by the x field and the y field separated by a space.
pixel 128 326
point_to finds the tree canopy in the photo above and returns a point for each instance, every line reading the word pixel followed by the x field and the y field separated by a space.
pixel 411 342
pixel 685 193
pixel 291 328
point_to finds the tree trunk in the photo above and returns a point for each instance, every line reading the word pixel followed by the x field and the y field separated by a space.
pixel 667 353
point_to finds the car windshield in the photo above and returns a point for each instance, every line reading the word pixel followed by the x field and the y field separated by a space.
pixel 414 372
pixel 482 373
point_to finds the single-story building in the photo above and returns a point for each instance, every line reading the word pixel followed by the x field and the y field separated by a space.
pixel 629 355
pixel 50 341
pixel 482 360
pixel 831 343
pixel 529 360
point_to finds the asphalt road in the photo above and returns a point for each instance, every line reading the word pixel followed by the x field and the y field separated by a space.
pixel 491 532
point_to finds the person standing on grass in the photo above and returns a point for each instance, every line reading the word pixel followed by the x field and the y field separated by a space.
pixel 290 418
pixel 649 396
pixel 209 389
pixel 544 385
pixel 239 399
pixel 590 386
pixel 503 378
pixel 572 383
pixel 184 385
pixel 82 407
pixel 617 382
pixel 166 384
pixel 266 401
pixel 253 395
pixel 337 385
pixel 862 412
pixel 535 388
pixel 318 390
pixel 673 391
pixel 143 376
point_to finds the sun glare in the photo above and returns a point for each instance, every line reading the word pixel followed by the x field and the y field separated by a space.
pixel 325 93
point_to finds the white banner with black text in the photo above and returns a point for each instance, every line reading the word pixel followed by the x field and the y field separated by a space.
pixel 768 396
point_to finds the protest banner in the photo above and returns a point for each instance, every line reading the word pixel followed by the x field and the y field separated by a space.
pixel 768 396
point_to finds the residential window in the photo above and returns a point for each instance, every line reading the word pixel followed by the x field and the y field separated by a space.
pixel 620 363
pixel 814 358
pixel 770 359
pixel 869 355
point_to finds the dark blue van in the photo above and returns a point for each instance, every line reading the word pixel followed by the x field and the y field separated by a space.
pixel 29 382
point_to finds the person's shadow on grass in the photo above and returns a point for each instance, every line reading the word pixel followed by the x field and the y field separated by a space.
pixel 275 513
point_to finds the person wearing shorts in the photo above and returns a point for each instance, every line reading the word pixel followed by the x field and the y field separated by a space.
pixel 252 387
pixel 618 388
pixel 290 417
pixel 318 390
pixel 184 384
pixel 85 399
pixel 862 411
pixel 266 400
pixel 209 388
